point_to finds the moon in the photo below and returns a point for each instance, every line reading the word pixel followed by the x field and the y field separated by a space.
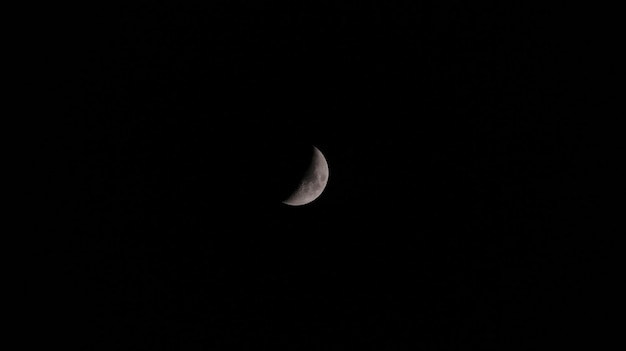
pixel 313 182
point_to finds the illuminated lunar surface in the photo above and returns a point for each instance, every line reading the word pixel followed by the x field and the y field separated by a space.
pixel 313 183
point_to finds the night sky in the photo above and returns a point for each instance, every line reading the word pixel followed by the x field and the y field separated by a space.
pixel 452 140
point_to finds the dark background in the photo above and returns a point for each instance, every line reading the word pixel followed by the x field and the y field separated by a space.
pixel 454 137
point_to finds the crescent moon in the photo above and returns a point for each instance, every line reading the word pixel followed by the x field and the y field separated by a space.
pixel 313 183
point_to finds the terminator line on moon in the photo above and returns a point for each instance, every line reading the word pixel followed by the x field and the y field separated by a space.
pixel 313 183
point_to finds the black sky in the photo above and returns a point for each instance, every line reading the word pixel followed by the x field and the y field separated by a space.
pixel 452 139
